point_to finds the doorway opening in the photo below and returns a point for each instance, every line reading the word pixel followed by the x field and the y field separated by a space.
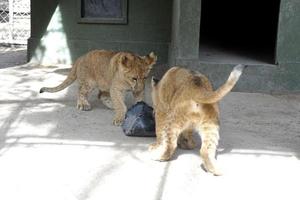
pixel 238 31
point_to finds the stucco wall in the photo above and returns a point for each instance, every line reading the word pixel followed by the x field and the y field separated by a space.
pixel 170 28
pixel 57 37
pixel 267 78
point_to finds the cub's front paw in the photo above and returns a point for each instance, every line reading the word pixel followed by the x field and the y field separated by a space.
pixel 118 121
pixel 106 100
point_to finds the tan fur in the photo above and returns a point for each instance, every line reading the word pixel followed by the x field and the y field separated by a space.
pixel 184 101
pixel 113 73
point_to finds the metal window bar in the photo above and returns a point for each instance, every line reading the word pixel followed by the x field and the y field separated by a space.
pixel 14 21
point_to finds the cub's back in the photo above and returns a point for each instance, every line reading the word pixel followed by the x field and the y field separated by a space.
pixel 179 81
pixel 95 66
pixel 99 60
pixel 170 83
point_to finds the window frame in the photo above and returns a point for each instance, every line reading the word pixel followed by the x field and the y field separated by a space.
pixel 103 20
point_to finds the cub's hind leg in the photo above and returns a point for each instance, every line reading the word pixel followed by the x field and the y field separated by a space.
pixel 210 137
pixel 106 99
pixel 166 144
pixel 160 122
pixel 82 102
pixel 186 140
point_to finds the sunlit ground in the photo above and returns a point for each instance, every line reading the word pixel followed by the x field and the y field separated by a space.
pixel 49 150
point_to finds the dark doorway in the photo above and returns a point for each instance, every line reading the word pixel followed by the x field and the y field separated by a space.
pixel 236 31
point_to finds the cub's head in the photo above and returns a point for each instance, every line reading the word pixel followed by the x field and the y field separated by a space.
pixel 135 69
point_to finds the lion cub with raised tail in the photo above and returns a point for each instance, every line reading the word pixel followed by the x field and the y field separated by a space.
pixel 184 102
pixel 113 73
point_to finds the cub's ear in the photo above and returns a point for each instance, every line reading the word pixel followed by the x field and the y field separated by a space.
pixel 125 60
pixel 151 59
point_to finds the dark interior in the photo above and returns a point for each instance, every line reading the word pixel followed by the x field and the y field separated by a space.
pixel 239 31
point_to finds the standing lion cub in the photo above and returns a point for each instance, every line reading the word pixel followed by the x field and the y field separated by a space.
pixel 184 101
pixel 113 73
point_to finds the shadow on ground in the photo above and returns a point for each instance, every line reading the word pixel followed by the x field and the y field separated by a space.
pixel 52 148
pixel 12 56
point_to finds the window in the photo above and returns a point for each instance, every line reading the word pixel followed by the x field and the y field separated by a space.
pixel 103 11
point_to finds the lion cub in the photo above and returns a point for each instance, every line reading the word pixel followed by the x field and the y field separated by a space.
pixel 184 101
pixel 112 73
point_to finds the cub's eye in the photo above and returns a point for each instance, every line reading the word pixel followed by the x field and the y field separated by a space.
pixel 135 79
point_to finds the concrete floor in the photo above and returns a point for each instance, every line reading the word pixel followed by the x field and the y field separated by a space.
pixel 210 53
pixel 50 150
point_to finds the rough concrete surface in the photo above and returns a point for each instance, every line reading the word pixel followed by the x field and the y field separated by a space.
pixel 50 150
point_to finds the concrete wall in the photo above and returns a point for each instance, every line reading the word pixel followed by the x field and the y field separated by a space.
pixel 57 37
pixel 170 28
pixel 288 44
pixel 282 77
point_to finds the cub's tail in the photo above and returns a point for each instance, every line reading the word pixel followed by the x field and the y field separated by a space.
pixel 217 95
pixel 68 81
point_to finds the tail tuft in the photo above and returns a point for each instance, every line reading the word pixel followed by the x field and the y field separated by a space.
pixel 215 96
pixel 237 70
pixel 42 90
pixel 240 67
